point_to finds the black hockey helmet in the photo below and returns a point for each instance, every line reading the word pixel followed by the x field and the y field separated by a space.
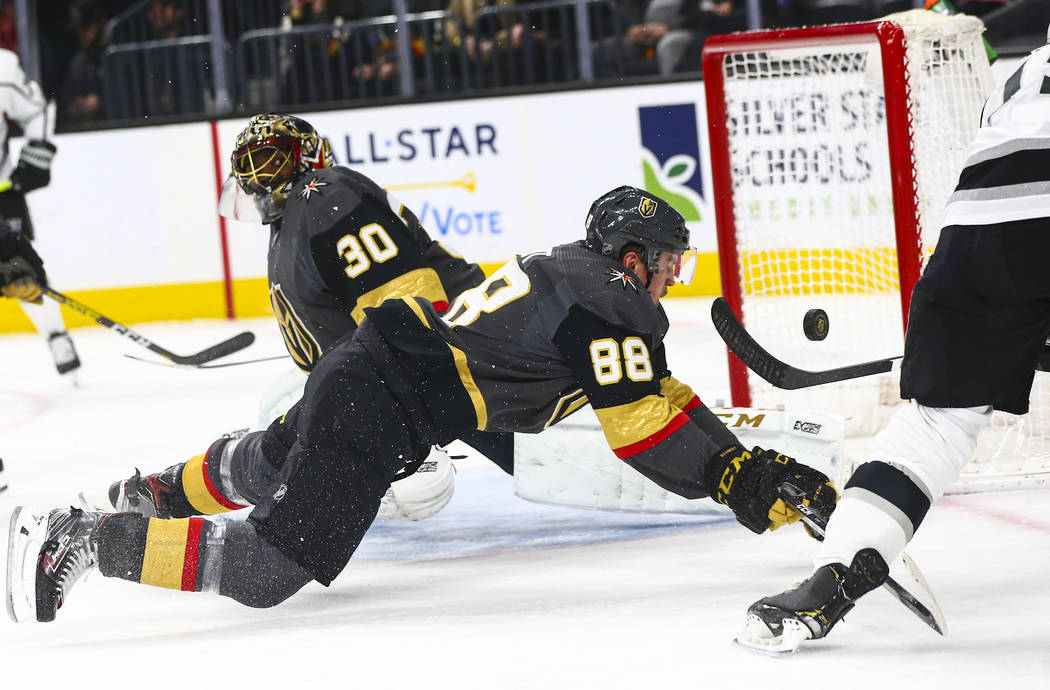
pixel 631 215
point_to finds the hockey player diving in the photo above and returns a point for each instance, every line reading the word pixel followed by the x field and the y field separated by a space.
pixel 979 319
pixel 338 245
pixel 514 354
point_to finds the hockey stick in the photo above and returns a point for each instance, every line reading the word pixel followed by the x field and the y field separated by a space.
pixel 932 616
pixel 226 347
pixel 207 366
pixel 776 372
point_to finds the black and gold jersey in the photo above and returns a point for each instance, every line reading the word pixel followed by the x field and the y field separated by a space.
pixel 544 335
pixel 344 245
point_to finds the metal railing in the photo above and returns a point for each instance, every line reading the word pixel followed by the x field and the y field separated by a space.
pixel 233 56
pixel 159 78
pixel 353 60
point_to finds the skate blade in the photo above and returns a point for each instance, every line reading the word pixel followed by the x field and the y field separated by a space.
pixel 95 502
pixel 757 637
pixel 24 540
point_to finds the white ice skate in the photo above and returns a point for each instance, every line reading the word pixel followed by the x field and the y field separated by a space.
pixel 24 540
pixel 757 636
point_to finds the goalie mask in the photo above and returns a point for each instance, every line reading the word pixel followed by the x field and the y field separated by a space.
pixel 268 156
pixel 630 215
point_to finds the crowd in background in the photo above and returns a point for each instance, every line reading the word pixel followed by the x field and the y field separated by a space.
pixel 293 52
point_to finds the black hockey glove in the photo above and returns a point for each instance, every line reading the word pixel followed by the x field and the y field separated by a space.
pixel 21 269
pixel 749 481
pixel 34 166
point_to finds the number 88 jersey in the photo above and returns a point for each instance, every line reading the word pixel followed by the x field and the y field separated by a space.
pixel 543 336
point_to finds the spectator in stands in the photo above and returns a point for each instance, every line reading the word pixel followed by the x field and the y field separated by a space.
pixel 8 26
pixel 165 19
pixel 478 47
pixel 81 99
pixel 635 52
pixel 679 50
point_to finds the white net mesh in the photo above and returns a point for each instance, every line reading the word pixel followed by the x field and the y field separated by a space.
pixel 814 209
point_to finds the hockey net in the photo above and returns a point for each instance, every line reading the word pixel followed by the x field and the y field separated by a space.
pixel 834 150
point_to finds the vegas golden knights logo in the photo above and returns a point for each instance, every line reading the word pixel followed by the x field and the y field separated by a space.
pixel 647 207
pixel 302 346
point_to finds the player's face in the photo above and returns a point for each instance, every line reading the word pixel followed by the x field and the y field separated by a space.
pixel 664 276
pixel 662 279
pixel 260 169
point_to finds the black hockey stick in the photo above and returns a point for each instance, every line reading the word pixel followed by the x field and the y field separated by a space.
pixel 226 347
pixel 221 365
pixel 776 372
pixel 931 616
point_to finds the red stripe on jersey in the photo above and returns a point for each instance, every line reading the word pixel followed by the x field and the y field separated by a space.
pixel 692 404
pixel 215 493
pixel 676 423
pixel 192 556
pixel 440 306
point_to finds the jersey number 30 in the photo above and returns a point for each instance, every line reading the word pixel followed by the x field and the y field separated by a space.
pixel 374 246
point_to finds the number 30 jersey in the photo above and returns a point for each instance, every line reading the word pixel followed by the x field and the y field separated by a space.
pixel 343 245
pixel 541 337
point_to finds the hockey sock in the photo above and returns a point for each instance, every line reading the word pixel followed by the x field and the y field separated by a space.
pixel 163 553
pixel 204 485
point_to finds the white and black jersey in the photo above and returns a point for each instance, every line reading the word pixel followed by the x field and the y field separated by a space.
pixel 980 314
pixel 22 101
pixel 1007 172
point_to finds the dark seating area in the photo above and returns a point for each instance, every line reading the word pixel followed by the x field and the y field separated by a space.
pixel 113 62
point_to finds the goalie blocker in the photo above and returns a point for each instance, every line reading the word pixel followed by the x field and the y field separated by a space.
pixel 571 465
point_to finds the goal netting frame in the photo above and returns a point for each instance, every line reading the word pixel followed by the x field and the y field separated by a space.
pixel 833 151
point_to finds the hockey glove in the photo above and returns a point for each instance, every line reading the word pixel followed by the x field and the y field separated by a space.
pixel 34 166
pixel 21 270
pixel 748 483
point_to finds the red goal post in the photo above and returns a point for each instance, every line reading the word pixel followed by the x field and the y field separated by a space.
pixel 833 152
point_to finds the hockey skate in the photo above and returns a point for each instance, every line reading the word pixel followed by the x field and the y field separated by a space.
pixel 781 623
pixel 424 493
pixel 46 556
pixel 150 495
pixel 62 350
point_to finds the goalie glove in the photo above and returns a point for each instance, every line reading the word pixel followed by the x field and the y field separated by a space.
pixel 748 482
pixel 34 166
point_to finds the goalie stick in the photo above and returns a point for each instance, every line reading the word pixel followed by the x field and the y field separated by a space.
pixel 776 372
pixel 931 615
pixel 226 347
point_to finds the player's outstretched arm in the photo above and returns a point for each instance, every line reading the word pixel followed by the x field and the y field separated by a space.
pixel 749 482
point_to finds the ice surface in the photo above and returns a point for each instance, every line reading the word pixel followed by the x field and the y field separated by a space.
pixel 494 592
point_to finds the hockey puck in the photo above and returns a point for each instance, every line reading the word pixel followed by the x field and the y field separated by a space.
pixel 815 324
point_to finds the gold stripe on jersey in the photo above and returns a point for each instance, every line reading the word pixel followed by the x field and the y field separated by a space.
pixel 465 377
pixel 646 422
pixel 417 310
pixel 677 392
pixel 163 559
pixel 566 405
pixel 300 343
pixel 195 485
pixel 422 282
